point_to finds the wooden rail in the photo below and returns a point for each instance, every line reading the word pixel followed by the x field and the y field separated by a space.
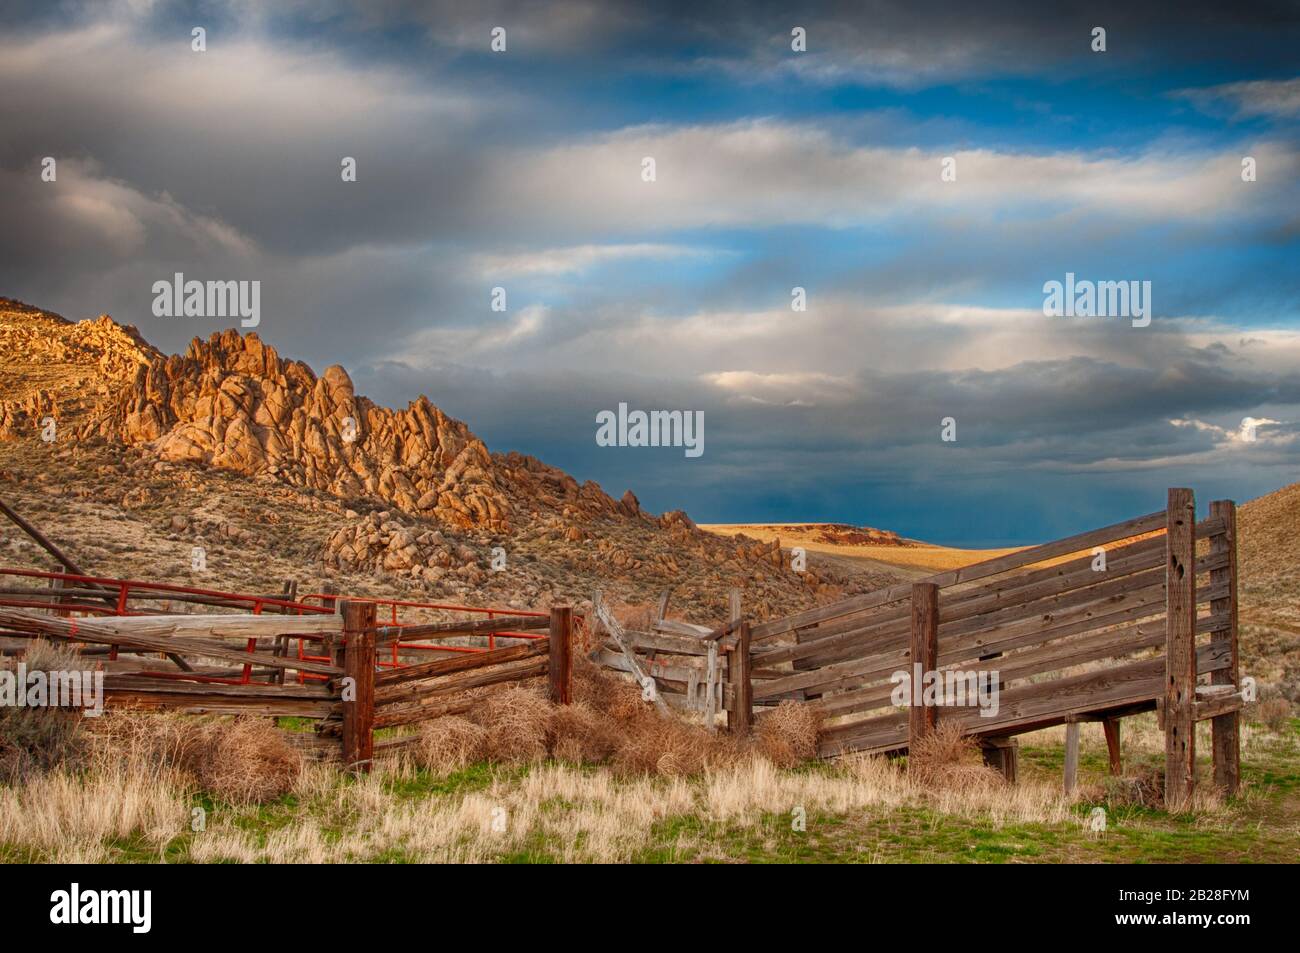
pixel 356 697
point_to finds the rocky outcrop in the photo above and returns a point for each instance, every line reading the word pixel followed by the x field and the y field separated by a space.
pixel 381 543
pixel 233 402
pixel 53 367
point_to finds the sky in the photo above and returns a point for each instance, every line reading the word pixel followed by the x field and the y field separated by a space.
pixel 774 169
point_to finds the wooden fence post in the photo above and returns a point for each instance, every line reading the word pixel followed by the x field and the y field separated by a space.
pixel 1110 726
pixel 290 594
pixel 925 654
pixel 1227 743
pixel 57 584
pixel 740 717
pixel 560 666
pixel 330 644
pixel 359 666
pixel 1180 648
pixel 1071 773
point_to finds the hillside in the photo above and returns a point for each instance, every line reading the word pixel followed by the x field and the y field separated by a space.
pixel 280 472
pixel 863 546
pixel 1268 556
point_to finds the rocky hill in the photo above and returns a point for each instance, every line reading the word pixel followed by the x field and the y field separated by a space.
pixel 231 444
pixel 50 366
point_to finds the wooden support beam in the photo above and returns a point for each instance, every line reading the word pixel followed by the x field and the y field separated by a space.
pixel 1071 773
pixel 1003 755
pixel 1111 728
pixel 561 655
pixel 359 681
pixel 740 717
pixel 1180 649
pixel 619 635
pixel 1226 728
pixel 924 655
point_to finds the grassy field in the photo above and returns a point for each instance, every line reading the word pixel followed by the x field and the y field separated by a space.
pixel 856 810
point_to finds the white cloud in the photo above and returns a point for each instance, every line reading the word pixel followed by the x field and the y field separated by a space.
pixel 577 258
pixel 768 172
pixel 1277 99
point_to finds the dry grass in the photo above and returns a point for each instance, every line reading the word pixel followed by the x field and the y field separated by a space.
pixel 36 739
pixel 585 816
pixel 569 813
pixel 62 817
pixel 1274 712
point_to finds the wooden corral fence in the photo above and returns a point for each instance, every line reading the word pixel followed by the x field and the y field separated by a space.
pixel 1090 628
pixel 350 679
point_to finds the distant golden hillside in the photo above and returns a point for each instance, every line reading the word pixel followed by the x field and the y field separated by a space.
pixel 1268 554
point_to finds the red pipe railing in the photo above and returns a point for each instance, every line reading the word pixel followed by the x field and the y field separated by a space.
pixel 124 591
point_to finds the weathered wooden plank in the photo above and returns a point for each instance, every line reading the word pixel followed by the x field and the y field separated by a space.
pixel 1041 702
pixel 677 627
pixel 976 571
pixel 397 715
pixel 423 631
pixel 850 642
pixel 616 632
pixel 102 632
pixel 129 628
pixel 533 664
pixel 1180 649
pixel 673 668
pixel 1218 706
pixel 662 642
pixel 212 703
pixel 127 682
pixel 921 719
pixel 1091 614
pixel 460 663
pixel 1053 657
pixel 848 636
pixel 1148 580
pixel 1051 580
pixel 1226 728
pixel 871 639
